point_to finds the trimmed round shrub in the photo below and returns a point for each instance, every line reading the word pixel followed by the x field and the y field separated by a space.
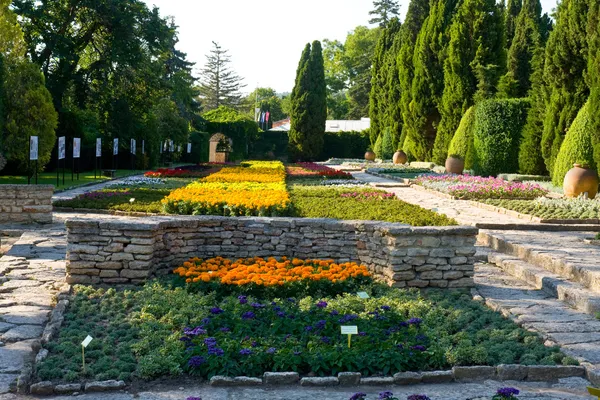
pixel 462 143
pixel 387 145
pixel 497 135
pixel 577 146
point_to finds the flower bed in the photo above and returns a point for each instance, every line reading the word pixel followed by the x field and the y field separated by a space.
pixel 137 181
pixel 170 328
pixel 553 208
pixel 257 189
pixel 469 187
pixel 308 169
pixel 350 203
pixel 190 171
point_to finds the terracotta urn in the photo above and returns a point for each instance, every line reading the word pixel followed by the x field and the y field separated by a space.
pixel 400 157
pixel 581 179
pixel 455 165
pixel 370 156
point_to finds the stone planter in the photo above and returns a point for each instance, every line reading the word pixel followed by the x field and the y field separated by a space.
pixel 581 179
pixel 370 156
pixel 455 165
pixel 400 157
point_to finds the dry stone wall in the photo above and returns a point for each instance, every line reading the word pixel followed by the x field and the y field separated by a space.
pixel 114 252
pixel 26 203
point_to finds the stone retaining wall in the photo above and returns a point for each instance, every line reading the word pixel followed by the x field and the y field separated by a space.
pixel 114 252
pixel 26 203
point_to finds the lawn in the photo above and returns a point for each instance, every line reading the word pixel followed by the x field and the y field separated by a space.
pixel 49 178
pixel 252 316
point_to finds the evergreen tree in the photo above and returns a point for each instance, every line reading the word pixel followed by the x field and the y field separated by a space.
pixel 527 38
pixel 220 86
pixel 476 42
pixel 309 105
pixel 415 17
pixel 384 11
pixel 428 81
pixel 393 112
pixel 513 8
pixel 593 78
pixel 565 88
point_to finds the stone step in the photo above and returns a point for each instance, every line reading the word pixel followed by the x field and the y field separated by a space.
pixel 572 293
pixel 587 276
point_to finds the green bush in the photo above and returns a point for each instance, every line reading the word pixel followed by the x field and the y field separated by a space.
pixel 241 129
pixel 577 146
pixel 270 145
pixel 497 134
pixel 387 145
pixel 462 142
pixel 351 144
pixel 200 146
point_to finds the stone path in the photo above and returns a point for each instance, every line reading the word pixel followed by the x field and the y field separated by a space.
pixel 565 389
pixel 70 194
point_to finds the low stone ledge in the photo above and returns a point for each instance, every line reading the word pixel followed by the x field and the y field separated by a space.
pixel 69 388
pixel 349 378
pixel 45 388
pixel 553 372
pixel 281 378
pixel 320 381
pixel 377 381
pixel 104 386
pixel 408 378
pixel 437 377
pixel 473 374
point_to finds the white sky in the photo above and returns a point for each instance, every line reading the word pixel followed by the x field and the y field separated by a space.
pixel 265 38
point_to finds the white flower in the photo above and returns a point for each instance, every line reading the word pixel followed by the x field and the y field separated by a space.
pixel 131 200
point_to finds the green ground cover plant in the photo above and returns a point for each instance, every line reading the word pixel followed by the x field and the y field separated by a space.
pixel 325 202
pixel 552 208
pixel 166 328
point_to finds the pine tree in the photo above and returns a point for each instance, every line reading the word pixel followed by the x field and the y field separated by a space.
pixel 309 105
pixel 513 8
pixel 428 82
pixel 413 23
pixel 476 42
pixel 220 86
pixel 384 11
pixel 565 88
pixel 527 38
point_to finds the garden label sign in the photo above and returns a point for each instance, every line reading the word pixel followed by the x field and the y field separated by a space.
pixel 349 330
pixel 115 146
pixel 61 148
pixel 33 148
pixel 84 344
pixel 98 147
pixel 362 295
pixel 76 147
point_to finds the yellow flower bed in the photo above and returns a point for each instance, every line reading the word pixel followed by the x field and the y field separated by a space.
pixel 256 190
pixel 269 272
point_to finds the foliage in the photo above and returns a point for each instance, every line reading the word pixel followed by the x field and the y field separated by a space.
pixel 309 105
pixel 497 135
pixel 513 8
pixel 475 44
pixel 564 70
pixel 462 142
pixel 593 77
pixel 240 128
pixel 12 45
pixel 506 393
pixel 321 171
pixel 220 86
pixel 387 145
pixel 553 208
pixel 351 144
pixel 384 11
pixel 577 146
pixel 267 100
pixel 270 145
pixel 200 146
pixel 321 202
pixel 28 112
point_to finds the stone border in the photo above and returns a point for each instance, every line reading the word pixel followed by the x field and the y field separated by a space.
pixel 26 204
pixel 406 181
pixel 531 373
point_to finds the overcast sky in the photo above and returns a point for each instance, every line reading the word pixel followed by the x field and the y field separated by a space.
pixel 265 38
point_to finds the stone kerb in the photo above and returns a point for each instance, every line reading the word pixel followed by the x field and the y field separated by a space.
pixel 112 252
pixel 26 203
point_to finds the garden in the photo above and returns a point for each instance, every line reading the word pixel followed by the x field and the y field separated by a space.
pixel 249 316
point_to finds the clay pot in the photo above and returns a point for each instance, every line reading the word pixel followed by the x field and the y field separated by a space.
pixel 580 179
pixel 455 165
pixel 370 156
pixel 400 157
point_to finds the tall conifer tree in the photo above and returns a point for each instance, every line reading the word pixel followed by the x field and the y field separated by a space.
pixel 513 8
pixel 476 43
pixel 593 77
pixel 393 113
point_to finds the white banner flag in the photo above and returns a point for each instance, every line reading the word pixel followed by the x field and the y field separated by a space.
pixel 98 147
pixel 115 147
pixel 33 148
pixel 62 148
pixel 76 147
pixel 189 148
pixel 144 147
pixel 133 146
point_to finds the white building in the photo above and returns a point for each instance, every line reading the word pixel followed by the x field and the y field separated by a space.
pixel 332 126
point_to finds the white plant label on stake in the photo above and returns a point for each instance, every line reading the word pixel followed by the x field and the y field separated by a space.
pixel 363 295
pixel 84 344
pixel 87 341
pixel 349 330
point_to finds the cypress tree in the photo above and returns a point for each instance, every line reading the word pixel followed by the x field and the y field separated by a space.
pixel 2 78
pixel 513 8
pixel 309 105
pixel 565 88
pixel 415 17
pixel 393 113
pixel 428 82
pixel 476 42
pixel 593 78
pixel 527 38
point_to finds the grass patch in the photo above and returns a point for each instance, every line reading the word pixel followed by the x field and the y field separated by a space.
pixel 49 178
pixel 325 202
pixel 164 329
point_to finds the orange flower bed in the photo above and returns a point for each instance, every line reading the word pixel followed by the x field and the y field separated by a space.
pixel 269 272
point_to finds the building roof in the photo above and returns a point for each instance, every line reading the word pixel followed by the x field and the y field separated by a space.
pixel 330 126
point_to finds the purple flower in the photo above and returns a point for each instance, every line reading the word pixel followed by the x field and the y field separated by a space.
pixel 243 299
pixel 216 310
pixel 291 300
pixel 417 397
pixel 248 315
pixel 281 314
pixel 196 361
pixel 257 305
pixel 210 341
pixel 320 324
pixel 334 313
pixel 415 321
pixel 271 350
pixel 322 304
pixel 194 398
pixel 215 351
pixel 386 308
pixel 348 318
pixel 245 352
pixel 197 331
pixel 358 396
pixel 507 392
pixel 185 339
pixel 205 321
pixel 362 333
pixel 254 344
pixel 325 340
pixel 308 328
pixel 276 308
pixel 418 348
pixel 225 329
pixel 385 395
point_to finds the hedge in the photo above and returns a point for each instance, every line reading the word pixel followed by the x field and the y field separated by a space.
pixel 239 128
pixel 462 143
pixel 577 146
pixel 270 145
pixel 497 135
